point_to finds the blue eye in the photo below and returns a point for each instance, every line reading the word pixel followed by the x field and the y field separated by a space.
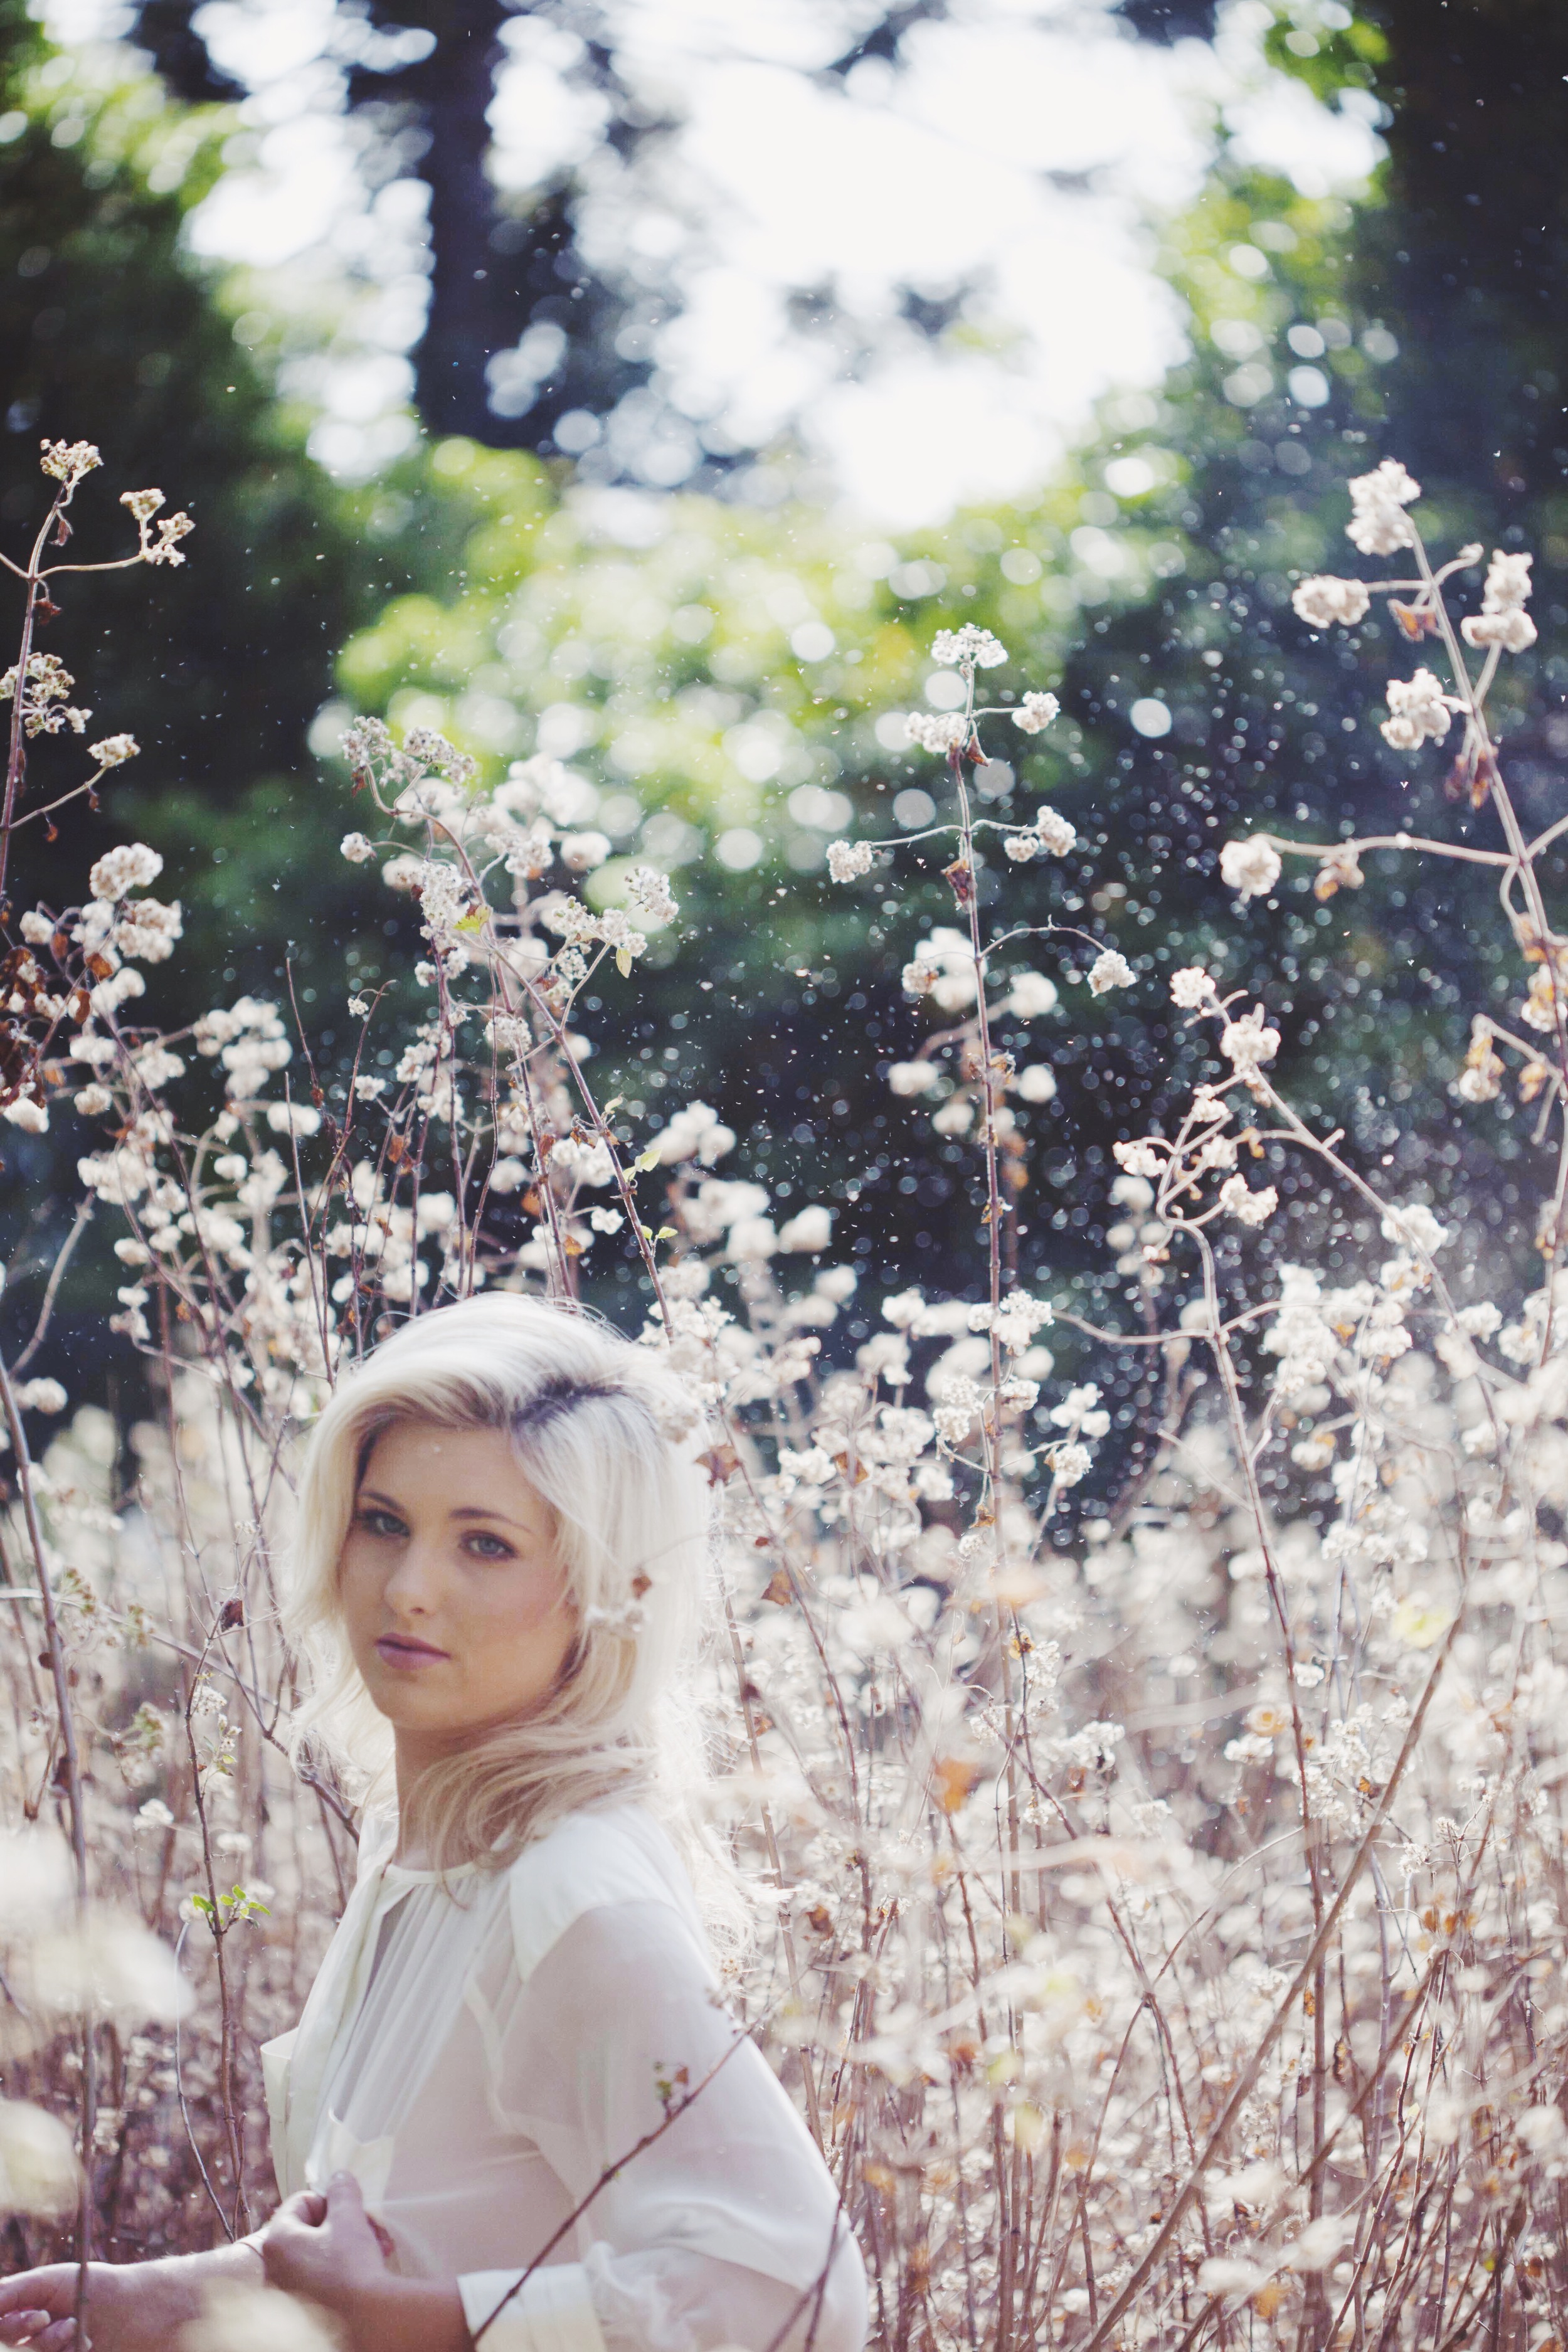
pixel 382 1523
pixel 489 1547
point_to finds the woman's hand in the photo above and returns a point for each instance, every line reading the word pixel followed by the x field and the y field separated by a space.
pixel 328 2249
pixel 130 2307
pixel 38 2307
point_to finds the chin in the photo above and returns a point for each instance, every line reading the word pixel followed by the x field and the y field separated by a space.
pixel 403 1702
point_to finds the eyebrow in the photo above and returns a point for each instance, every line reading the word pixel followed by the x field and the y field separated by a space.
pixel 464 1510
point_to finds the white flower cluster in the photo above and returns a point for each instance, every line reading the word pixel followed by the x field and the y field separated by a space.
pixel 1203 1146
pixel 1502 619
pixel 938 731
pixel 1322 602
pixel 1030 994
pixel 697 1132
pixel 942 968
pixel 1014 1322
pixel 580 852
pixel 520 827
pixel 1419 710
pixel 1250 867
pixel 1249 1044
pixel 1191 988
pixel 120 871
pixel 583 1161
pixel 376 763
pixel 113 924
pixel 583 929
pixel 1249 1207
pixel 114 751
pixel 385 1235
pixel 968 648
pixel 649 892
pixel 1050 833
pixel 250 1039
pixel 1035 713
pixel 1414 1226
pixel 1542 1004
pixel 849 859
pixel 44 710
pixel 69 462
pixel 1110 969
pixel 163 549
pixel 1379 524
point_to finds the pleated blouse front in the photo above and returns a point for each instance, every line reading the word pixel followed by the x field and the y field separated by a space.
pixel 482 2052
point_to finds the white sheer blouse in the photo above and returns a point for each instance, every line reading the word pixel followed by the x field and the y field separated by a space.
pixel 480 2058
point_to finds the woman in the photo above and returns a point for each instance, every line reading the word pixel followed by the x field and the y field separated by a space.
pixel 513 2113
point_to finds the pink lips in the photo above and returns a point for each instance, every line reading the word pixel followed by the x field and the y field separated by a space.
pixel 403 1650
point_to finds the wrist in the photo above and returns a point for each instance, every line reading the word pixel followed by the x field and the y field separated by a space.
pixel 184 2278
pixel 402 2314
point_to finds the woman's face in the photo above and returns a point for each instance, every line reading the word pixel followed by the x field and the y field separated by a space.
pixel 454 1598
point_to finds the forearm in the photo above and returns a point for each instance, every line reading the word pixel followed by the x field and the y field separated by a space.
pixel 186 2277
pixel 400 2314
pixel 179 2280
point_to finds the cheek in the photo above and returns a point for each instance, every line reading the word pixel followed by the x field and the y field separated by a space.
pixel 524 1635
pixel 358 1582
pixel 527 1605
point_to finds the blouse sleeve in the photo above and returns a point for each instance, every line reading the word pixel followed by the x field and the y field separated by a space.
pixel 725 2228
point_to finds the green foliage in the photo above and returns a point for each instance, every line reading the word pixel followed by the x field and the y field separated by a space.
pixel 1326 47
pixel 110 334
pixel 234 1909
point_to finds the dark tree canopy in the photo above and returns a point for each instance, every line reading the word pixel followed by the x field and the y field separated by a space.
pixel 497 272
pixel 1472 246
pixel 108 335
pixel 1170 20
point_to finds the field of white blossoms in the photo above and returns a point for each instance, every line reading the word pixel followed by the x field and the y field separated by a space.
pixel 1164 1935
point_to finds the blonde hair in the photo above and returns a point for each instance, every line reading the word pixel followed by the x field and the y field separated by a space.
pixel 604 1432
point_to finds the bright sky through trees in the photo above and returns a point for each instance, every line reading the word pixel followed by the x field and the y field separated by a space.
pixel 798 232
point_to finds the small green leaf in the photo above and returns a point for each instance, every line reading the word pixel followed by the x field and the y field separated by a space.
pixel 646 1160
pixel 624 962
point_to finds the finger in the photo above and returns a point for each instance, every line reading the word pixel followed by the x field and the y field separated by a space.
pixel 60 2338
pixel 307 2205
pixel 343 2192
pixel 18 2326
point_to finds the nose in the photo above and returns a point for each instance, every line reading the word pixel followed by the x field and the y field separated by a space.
pixel 413 1588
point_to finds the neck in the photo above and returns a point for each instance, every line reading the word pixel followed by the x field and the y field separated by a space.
pixel 414 1753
